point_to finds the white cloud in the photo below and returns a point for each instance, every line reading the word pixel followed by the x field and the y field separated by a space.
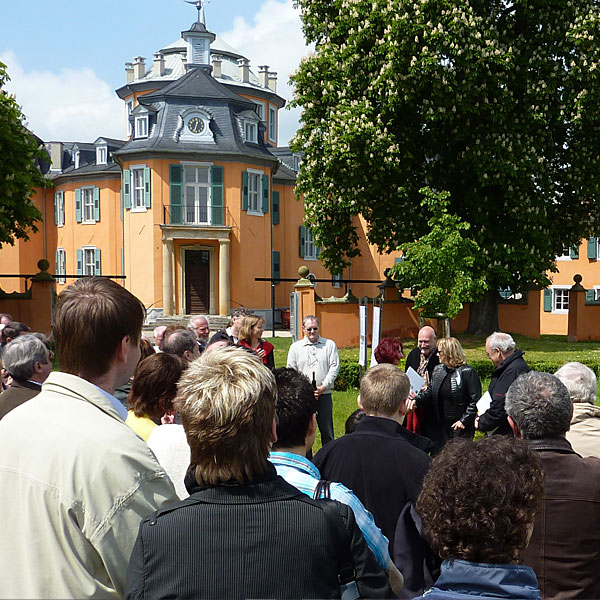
pixel 69 105
pixel 274 38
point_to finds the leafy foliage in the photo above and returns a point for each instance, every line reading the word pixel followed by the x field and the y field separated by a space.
pixel 495 102
pixel 19 174
pixel 439 264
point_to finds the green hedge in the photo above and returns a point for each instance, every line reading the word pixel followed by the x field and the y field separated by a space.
pixel 349 375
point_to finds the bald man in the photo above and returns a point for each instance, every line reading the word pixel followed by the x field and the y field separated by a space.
pixel 423 359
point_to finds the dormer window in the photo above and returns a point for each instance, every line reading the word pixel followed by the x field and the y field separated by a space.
pixel 250 132
pixel 141 126
pixel 76 158
pixel 101 155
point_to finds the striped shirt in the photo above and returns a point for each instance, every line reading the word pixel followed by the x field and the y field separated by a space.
pixel 303 475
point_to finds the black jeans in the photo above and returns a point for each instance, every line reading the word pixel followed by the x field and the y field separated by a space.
pixel 325 418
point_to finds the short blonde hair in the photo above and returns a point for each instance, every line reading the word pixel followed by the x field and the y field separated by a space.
pixel 245 331
pixel 454 355
pixel 383 388
pixel 226 400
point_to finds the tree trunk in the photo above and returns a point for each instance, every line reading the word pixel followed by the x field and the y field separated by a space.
pixel 483 316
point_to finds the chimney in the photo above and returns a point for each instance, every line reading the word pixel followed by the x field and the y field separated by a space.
pixel 263 75
pixel 159 64
pixel 139 68
pixel 128 72
pixel 56 153
pixel 244 66
pixel 216 65
pixel 273 81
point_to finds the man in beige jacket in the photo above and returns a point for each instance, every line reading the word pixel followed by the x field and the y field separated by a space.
pixel 75 480
pixel 584 434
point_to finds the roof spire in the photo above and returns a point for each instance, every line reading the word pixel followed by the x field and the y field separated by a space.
pixel 199 4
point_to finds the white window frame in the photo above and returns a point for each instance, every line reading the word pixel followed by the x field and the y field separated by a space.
pixel 272 124
pixel 59 203
pixel 336 278
pixel 560 309
pixel 566 255
pixel 141 126
pixel 76 157
pixel 251 132
pixel 85 251
pixel 61 266
pixel 310 249
pixel 260 109
pixel 207 185
pixel 596 289
pixel 102 155
pixel 85 191
pixel 135 205
pixel 255 175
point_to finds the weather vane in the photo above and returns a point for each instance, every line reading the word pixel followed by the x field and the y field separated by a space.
pixel 199 4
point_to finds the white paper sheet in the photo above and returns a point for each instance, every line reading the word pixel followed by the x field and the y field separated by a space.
pixel 416 381
pixel 484 403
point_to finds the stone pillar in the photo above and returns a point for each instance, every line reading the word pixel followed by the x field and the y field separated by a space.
pixel 575 295
pixel 43 296
pixel 224 291
pixel 306 299
pixel 168 295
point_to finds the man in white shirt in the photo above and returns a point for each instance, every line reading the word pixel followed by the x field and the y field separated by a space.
pixel 318 359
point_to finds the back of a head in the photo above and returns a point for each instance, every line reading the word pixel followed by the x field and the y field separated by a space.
pixel 539 403
pixel 179 341
pixel 388 351
pixel 579 380
pixel 383 389
pixel 21 354
pixel 226 400
pixel 501 341
pixel 13 330
pixel 91 318
pixel 155 384
pixel 296 404
pixel 454 517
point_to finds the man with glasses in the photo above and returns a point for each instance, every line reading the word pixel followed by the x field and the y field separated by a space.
pixel 509 363
pixel 318 359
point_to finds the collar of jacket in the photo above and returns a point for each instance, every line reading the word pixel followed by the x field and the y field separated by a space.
pixel 262 487
pixel 507 361
pixel 583 411
pixel 488 580
pixel 555 443
pixel 389 428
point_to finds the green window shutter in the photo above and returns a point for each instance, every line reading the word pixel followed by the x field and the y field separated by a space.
pixel 96 204
pixel 302 240
pixel 78 205
pixel 317 251
pixel 98 270
pixel 265 194
pixel 275 211
pixel 217 196
pixel 147 200
pixel 589 296
pixel 574 252
pixel 276 270
pixel 79 262
pixel 126 188
pixel 56 209
pixel 56 263
pixel 398 259
pixel 593 248
pixel 244 190
pixel 547 300
pixel 176 193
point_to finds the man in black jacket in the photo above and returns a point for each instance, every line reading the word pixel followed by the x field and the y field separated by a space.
pixel 509 363
pixel 244 532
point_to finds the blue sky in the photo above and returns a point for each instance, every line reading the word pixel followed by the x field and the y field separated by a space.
pixel 66 58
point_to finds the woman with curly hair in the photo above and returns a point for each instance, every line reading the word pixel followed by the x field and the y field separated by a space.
pixel 250 336
pixel 478 504
pixel 389 350
pixel 454 391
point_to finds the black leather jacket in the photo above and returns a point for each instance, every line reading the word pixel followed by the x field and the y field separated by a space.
pixel 466 391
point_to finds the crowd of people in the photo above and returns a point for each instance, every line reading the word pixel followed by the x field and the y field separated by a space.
pixel 184 468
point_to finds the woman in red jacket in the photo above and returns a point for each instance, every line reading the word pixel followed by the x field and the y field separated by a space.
pixel 250 336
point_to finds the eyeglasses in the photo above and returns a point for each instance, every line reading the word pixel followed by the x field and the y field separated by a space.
pixel 311 328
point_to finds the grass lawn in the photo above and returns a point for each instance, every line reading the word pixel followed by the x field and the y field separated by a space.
pixel 547 347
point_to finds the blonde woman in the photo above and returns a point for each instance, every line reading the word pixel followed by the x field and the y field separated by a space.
pixel 454 391
pixel 250 336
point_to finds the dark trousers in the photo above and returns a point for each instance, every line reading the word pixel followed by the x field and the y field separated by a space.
pixel 325 418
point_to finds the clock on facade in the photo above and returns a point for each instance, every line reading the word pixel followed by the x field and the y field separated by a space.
pixel 196 125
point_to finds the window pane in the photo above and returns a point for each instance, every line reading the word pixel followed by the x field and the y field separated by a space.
pixel 202 174
pixel 190 174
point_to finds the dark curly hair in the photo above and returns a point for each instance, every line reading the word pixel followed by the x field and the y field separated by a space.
pixel 389 350
pixel 479 499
